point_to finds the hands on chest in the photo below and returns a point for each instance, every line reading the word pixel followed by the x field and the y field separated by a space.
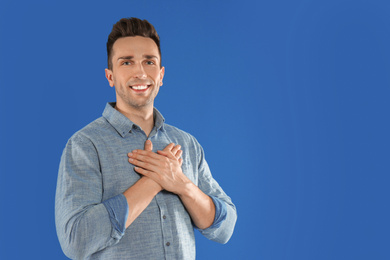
pixel 163 170
pixel 163 167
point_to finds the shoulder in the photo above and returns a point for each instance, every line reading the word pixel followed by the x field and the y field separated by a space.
pixel 181 137
pixel 174 131
pixel 92 131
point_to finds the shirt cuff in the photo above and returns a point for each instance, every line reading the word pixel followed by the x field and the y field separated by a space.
pixel 220 212
pixel 118 211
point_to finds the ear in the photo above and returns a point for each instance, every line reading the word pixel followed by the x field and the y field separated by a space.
pixel 109 77
pixel 162 72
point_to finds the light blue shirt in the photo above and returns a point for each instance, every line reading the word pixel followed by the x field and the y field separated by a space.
pixel 91 210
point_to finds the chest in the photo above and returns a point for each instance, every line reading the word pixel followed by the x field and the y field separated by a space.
pixel 118 174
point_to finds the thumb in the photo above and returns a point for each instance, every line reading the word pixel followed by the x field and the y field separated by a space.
pixel 148 145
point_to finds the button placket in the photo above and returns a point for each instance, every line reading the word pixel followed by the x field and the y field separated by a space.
pixel 166 226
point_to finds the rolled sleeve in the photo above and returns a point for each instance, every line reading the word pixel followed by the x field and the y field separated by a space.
pixel 225 211
pixel 117 209
pixel 220 212
pixel 79 211
pixel 224 231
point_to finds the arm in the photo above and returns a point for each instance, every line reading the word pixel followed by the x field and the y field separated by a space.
pixel 223 226
pixel 166 170
pixel 211 210
pixel 143 191
pixel 199 205
pixel 84 222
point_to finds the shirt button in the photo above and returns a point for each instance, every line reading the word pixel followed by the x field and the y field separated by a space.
pixel 164 217
pixel 168 244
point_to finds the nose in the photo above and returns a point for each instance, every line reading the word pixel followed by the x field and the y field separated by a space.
pixel 139 71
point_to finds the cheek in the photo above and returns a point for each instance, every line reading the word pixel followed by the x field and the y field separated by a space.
pixel 119 80
pixel 155 74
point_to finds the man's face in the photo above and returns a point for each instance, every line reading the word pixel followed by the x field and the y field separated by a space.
pixel 136 72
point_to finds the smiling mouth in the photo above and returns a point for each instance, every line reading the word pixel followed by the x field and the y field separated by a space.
pixel 140 87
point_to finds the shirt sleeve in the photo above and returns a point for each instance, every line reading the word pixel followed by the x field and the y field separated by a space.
pixel 117 209
pixel 225 211
pixel 80 213
pixel 220 212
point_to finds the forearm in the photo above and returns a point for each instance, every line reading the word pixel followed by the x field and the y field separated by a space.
pixel 222 232
pixel 164 169
pixel 199 205
pixel 139 196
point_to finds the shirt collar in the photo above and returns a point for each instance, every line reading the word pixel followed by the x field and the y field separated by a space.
pixel 122 124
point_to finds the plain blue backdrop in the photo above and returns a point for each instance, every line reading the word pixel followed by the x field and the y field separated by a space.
pixel 290 100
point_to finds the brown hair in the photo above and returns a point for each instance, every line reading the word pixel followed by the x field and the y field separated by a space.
pixel 131 27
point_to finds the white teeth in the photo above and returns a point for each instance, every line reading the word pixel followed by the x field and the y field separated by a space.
pixel 140 87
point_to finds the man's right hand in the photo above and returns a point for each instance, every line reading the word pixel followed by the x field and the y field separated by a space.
pixel 174 149
pixel 143 191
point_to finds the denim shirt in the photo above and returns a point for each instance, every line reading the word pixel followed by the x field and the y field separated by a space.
pixel 91 211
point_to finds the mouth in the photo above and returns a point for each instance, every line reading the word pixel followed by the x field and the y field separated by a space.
pixel 140 88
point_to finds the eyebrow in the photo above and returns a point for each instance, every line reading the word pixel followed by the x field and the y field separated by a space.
pixel 126 58
pixel 132 57
pixel 151 57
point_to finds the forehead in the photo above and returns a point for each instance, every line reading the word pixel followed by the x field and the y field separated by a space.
pixel 134 46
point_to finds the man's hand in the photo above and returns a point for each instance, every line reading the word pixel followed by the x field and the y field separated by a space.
pixel 163 167
pixel 174 150
pixel 170 148
pixel 143 191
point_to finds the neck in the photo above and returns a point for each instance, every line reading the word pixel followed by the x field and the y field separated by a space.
pixel 142 117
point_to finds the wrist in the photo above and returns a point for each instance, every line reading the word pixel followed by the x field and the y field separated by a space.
pixel 152 184
pixel 187 191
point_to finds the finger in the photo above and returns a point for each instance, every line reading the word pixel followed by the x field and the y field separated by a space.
pixel 175 156
pixel 138 153
pixel 169 147
pixel 180 162
pixel 178 154
pixel 149 157
pixel 148 165
pixel 148 145
pixel 167 154
pixel 175 149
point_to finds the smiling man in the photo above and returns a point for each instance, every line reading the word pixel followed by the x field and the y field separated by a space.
pixel 129 185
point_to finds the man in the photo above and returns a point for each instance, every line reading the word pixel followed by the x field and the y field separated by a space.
pixel 129 185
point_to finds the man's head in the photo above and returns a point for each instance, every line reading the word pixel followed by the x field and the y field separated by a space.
pixel 126 27
pixel 134 60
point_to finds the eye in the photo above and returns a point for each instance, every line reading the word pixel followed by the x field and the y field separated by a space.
pixel 150 62
pixel 126 63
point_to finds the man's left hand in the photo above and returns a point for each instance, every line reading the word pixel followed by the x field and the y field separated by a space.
pixel 162 167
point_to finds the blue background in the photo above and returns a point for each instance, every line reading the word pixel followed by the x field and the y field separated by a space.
pixel 290 100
